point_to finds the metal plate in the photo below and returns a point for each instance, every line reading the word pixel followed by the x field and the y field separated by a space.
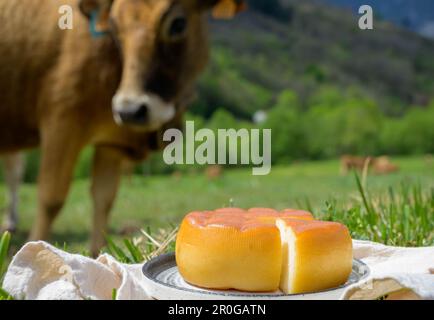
pixel 165 283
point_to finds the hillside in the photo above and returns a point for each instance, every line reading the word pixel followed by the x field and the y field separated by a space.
pixel 309 47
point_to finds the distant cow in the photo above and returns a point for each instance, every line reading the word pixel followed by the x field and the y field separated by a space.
pixel 349 163
pixel 122 75
pixel 379 165
pixel 214 172
pixel 383 165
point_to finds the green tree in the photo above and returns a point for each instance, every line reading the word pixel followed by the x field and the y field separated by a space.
pixel 287 125
pixel 418 131
pixel 346 123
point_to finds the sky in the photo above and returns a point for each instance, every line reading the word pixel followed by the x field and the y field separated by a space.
pixel 416 15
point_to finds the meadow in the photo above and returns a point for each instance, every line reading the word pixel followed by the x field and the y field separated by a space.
pixel 154 203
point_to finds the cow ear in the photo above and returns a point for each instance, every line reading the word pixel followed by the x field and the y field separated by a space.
pixel 98 11
pixel 222 9
pixel 227 9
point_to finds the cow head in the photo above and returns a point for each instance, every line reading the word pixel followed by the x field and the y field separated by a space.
pixel 163 47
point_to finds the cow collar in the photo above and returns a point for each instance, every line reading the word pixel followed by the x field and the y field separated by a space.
pixel 93 26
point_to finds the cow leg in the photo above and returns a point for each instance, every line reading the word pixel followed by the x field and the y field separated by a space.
pixel 13 172
pixel 106 175
pixel 61 145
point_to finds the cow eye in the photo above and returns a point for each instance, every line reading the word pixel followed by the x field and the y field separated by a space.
pixel 175 26
pixel 178 26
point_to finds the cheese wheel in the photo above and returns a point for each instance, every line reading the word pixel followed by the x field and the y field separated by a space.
pixel 260 250
pixel 232 248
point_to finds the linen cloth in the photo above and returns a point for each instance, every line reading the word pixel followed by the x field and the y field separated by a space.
pixel 40 271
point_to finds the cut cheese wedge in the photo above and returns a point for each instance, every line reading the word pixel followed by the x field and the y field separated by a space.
pixel 262 250
pixel 316 255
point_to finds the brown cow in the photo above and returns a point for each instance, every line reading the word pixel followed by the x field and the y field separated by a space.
pixel 214 172
pixel 62 89
pixel 383 165
pixel 349 163
pixel 379 165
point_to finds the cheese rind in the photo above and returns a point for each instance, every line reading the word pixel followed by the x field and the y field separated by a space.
pixel 262 250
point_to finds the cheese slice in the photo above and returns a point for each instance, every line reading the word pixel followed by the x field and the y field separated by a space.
pixel 261 250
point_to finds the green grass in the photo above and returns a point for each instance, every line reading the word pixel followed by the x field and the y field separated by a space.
pixel 160 202
pixel 4 248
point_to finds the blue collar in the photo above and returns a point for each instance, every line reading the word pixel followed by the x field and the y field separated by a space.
pixel 92 26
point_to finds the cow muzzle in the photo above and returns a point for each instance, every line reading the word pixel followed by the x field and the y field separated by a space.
pixel 147 111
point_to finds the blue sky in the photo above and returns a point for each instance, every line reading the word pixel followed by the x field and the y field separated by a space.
pixel 417 15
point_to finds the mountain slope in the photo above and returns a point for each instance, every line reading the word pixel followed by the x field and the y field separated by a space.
pixel 257 56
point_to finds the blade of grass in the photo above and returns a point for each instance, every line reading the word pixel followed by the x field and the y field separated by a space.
pixel 4 248
pixel 116 251
pixel 166 243
pixel 149 246
pixel 147 235
pixel 4 295
pixel 134 251
pixel 368 206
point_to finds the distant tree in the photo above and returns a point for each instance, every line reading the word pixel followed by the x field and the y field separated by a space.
pixel 418 131
pixel 392 141
pixel 345 123
pixel 288 99
pixel 288 129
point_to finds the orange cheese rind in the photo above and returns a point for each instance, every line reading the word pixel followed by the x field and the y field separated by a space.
pixel 262 249
pixel 243 219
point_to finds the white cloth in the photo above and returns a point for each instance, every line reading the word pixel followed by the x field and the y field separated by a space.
pixel 400 273
pixel 41 271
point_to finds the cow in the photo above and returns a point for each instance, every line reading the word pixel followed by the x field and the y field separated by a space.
pixel 379 165
pixel 123 74
pixel 349 162
pixel 383 165
pixel 214 172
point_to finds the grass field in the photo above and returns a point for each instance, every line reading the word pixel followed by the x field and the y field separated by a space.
pixel 161 201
